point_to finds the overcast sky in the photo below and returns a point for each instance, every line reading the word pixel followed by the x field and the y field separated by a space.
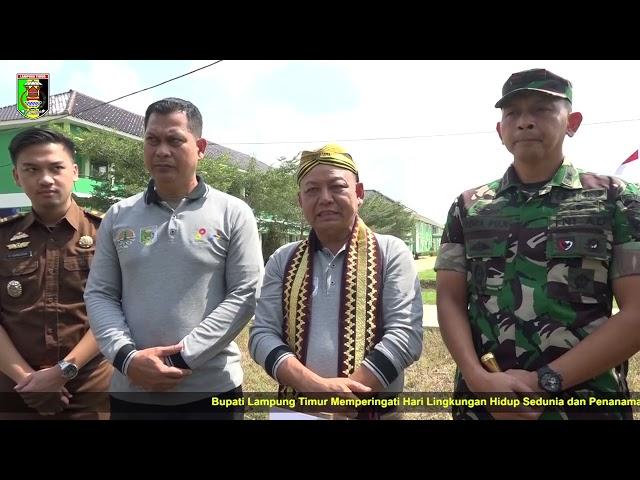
pixel 448 105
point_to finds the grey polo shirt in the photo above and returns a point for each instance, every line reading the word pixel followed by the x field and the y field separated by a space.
pixel 162 276
pixel 401 342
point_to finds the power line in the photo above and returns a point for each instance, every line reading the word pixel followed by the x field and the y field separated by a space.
pixel 344 140
pixel 115 99
pixel 613 121
pixel 144 89
pixel 357 139
pixel 409 137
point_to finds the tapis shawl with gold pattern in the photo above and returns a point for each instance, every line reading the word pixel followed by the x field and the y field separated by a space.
pixel 359 323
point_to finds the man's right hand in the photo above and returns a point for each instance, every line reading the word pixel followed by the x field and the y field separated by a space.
pixel 340 387
pixel 148 370
pixel 44 391
pixel 47 403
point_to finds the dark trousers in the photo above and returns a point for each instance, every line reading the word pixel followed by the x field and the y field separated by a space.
pixel 200 410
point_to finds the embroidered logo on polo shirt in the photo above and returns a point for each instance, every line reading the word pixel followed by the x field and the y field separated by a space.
pixel 148 235
pixel 125 237
pixel 215 237
pixel 201 234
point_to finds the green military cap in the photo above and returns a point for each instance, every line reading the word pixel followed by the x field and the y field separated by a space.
pixel 537 80
pixel 331 154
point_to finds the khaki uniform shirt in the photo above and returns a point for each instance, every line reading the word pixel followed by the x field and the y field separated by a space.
pixel 42 278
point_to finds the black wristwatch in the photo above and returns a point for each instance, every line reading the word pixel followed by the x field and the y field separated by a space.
pixel 549 380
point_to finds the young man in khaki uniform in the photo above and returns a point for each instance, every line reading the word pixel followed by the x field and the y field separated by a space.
pixel 48 355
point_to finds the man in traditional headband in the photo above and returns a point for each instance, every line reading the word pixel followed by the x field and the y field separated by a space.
pixel 340 312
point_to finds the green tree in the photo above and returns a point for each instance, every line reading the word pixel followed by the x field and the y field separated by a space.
pixel 273 196
pixel 123 174
pixel 221 175
pixel 271 193
pixel 387 217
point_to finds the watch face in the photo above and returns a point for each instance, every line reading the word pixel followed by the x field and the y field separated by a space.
pixel 550 382
pixel 70 371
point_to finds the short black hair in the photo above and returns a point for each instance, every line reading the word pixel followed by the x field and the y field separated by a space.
pixel 39 136
pixel 173 104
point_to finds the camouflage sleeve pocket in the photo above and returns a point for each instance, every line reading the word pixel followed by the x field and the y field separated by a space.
pixel 626 260
pixel 451 257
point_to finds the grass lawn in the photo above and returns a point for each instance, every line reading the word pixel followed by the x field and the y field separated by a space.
pixel 427 275
pixel 432 373
pixel 428 296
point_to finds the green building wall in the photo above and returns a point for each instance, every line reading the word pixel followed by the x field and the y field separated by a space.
pixel 7 185
pixel 426 238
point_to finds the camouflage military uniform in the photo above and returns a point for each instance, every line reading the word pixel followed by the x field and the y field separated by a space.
pixel 539 267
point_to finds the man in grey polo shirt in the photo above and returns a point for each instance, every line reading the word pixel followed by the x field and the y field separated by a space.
pixel 341 312
pixel 174 280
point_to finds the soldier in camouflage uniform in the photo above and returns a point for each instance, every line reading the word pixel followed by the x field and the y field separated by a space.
pixel 529 263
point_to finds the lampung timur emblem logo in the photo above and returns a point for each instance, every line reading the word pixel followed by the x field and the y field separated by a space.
pixel 32 94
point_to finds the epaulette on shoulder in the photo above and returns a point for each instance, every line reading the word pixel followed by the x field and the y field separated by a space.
pixel 94 213
pixel 12 218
